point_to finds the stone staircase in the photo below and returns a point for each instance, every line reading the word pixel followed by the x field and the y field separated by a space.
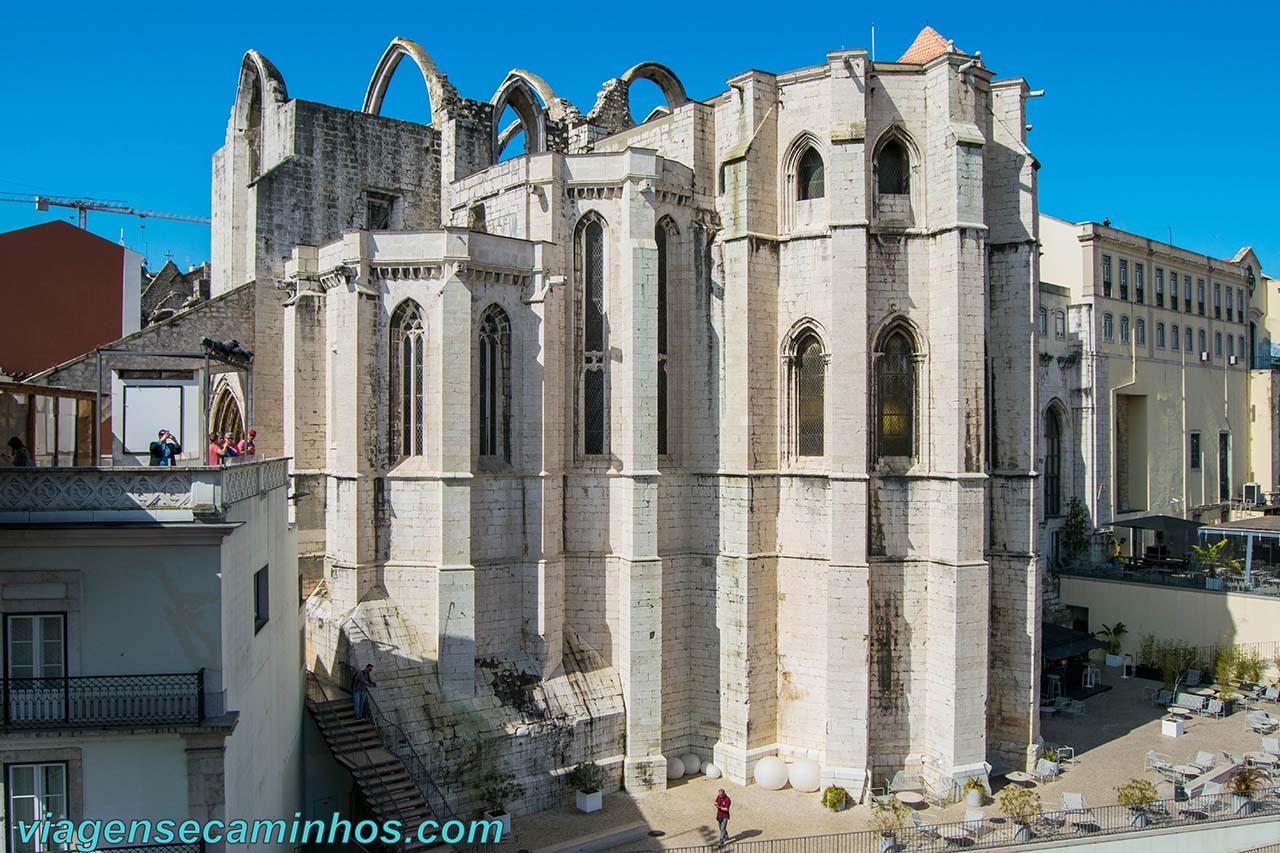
pixel 379 773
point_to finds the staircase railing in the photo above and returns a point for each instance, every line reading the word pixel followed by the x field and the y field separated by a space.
pixel 396 740
pixel 375 777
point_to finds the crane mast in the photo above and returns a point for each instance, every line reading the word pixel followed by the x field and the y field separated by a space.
pixel 82 206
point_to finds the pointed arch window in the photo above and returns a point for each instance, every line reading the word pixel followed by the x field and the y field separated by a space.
pixel 1052 463
pixel 893 169
pixel 808 383
pixel 895 387
pixel 810 175
pixel 495 384
pixel 408 341
pixel 662 236
pixel 592 331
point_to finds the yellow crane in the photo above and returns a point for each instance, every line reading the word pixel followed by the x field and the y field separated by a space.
pixel 82 206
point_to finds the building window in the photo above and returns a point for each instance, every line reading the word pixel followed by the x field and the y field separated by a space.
pixel 1160 335
pixel 1217 344
pixel 36 792
pixel 1204 347
pixel 1240 304
pixel 895 369
pixel 662 234
pixel 1124 279
pixel 1174 342
pixel 592 331
pixel 1200 296
pixel 1160 288
pixel 495 383
pixel 808 381
pixel 1240 345
pixel 408 341
pixel 810 175
pixel 893 169
pixel 1186 294
pixel 1124 328
pixel 1140 332
pixel 1224 466
pixel 261 598
pixel 1139 284
pixel 1059 324
pixel 36 646
pixel 1044 322
pixel 1108 331
pixel 1106 275
pixel 1187 339
pixel 1052 464
pixel 1230 301
pixel 378 209
pixel 1217 301
pixel 1195 451
pixel 1231 346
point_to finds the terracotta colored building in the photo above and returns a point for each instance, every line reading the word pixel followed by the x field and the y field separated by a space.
pixel 65 291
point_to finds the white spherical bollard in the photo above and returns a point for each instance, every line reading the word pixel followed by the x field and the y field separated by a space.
pixel 712 771
pixel 771 773
pixel 805 776
pixel 692 764
pixel 675 768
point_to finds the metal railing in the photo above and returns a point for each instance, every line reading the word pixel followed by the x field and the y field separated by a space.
pixel 396 740
pixel 102 700
pixel 992 833
pixel 1187 579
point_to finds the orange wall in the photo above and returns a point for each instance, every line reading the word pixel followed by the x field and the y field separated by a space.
pixel 60 295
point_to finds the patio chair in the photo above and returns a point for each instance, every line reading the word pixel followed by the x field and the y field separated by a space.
pixel 1161 763
pixel 1073 805
pixel 1193 678
pixel 880 796
pixel 923 827
pixel 975 823
pixel 905 780
pixel 1046 770
pixel 1232 758
pixel 1213 708
pixel 1052 819
pixel 1075 707
pixel 1066 754
pixel 1261 722
pixel 1162 698
pixel 1205 802
pixel 1203 761
pixel 1271 745
pixel 1190 701
pixel 1272 693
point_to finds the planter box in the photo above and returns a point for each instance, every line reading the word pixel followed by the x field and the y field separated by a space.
pixel 590 802
pixel 1171 728
pixel 1151 673
pixel 503 818
pixel 1114 660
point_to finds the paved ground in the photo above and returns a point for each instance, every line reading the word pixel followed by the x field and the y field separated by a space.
pixel 1111 740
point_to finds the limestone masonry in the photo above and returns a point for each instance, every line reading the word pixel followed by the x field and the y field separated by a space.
pixel 711 434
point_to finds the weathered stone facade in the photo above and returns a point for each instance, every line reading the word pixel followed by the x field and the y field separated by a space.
pixel 688 496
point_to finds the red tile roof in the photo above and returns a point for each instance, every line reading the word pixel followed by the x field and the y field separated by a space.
pixel 928 46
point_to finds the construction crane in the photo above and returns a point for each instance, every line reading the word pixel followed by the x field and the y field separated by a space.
pixel 82 207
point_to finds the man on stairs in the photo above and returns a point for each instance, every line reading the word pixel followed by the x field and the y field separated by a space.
pixel 360 688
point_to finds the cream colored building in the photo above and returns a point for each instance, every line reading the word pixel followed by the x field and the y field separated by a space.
pixel 1151 382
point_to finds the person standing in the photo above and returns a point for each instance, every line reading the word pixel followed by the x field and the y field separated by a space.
pixel 360 688
pixel 165 449
pixel 245 447
pixel 21 458
pixel 217 450
pixel 722 816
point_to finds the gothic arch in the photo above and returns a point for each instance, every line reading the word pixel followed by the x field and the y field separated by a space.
pixel 439 90
pixel 259 81
pixel 898 134
pixel 900 322
pixel 664 77
pixel 227 413
pixel 519 94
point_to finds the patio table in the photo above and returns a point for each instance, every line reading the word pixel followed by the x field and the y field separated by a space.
pixel 1180 712
pixel 1263 758
pixel 1203 691
pixel 910 798
pixel 1021 777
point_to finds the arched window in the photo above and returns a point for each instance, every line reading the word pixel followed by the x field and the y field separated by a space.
pixel 660 236
pixel 1140 331
pixel 1059 324
pixel 592 390
pixel 495 384
pixel 1174 342
pixel 1052 463
pixel 809 365
pixel 1108 327
pixel 1160 335
pixel 895 387
pixel 407 344
pixel 1186 337
pixel 810 175
pixel 893 169
pixel 1044 322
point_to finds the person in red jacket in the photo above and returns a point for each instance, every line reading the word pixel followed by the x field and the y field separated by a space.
pixel 722 816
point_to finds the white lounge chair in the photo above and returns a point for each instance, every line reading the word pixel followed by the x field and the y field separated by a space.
pixel 1162 764
pixel 1271 745
pixel 1261 722
pixel 1203 761
pixel 1213 708
pixel 1073 805
pixel 1205 802
pixel 975 823
pixel 922 826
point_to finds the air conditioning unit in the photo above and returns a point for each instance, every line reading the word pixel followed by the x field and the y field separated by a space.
pixel 1204 356
pixel 1253 494
pixel 1233 359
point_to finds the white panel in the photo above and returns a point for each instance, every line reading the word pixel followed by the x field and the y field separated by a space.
pixel 148 409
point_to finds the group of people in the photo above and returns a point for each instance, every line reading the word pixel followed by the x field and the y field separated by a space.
pixel 224 447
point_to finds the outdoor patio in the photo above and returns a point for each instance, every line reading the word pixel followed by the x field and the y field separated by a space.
pixel 1111 739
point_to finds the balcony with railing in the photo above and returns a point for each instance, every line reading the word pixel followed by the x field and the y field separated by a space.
pixel 102 701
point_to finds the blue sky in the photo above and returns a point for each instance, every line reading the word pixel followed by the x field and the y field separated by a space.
pixel 1157 119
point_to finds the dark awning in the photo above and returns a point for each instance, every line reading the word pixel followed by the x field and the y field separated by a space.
pixel 1059 643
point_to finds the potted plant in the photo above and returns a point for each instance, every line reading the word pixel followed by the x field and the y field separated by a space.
pixel 1148 664
pixel 1111 635
pixel 1020 806
pixel 975 792
pixel 1243 784
pixel 1212 559
pixel 889 817
pixel 1138 795
pixel 588 780
pixel 835 798
pixel 496 791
